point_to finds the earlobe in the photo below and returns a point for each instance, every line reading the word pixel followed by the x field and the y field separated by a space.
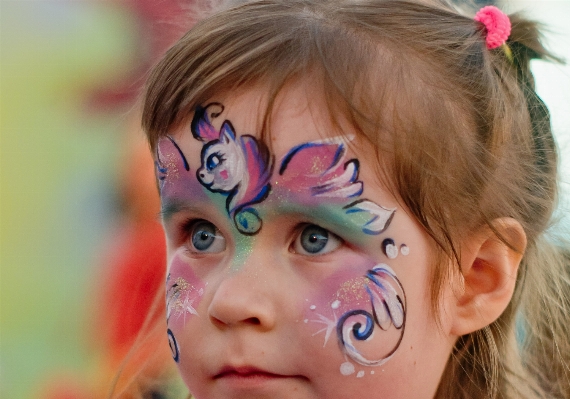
pixel 489 269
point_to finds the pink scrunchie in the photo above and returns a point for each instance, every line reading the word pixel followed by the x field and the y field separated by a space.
pixel 497 23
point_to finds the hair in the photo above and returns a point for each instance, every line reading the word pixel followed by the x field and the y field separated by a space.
pixel 460 135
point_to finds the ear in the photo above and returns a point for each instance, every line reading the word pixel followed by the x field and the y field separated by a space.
pixel 489 272
pixel 227 134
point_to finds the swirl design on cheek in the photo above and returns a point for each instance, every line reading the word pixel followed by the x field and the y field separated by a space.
pixel 388 309
pixel 173 346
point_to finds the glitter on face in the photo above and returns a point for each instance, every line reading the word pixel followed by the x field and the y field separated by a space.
pixel 352 290
pixel 335 304
pixel 180 298
pixel 360 374
pixel 312 307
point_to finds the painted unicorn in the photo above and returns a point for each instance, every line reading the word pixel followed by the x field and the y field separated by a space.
pixel 238 167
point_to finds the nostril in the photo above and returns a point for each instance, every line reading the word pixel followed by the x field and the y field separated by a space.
pixel 253 320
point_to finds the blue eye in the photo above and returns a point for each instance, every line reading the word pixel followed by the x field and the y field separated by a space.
pixel 213 161
pixel 205 237
pixel 315 240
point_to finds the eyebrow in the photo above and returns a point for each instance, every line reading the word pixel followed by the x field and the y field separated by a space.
pixel 171 207
pixel 326 215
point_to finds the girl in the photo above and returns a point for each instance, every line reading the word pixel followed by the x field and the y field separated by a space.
pixel 354 195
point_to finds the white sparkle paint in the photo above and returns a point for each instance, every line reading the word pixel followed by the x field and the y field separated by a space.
pixel 347 368
pixel 371 371
pixel 360 374
pixel 335 304
pixel 180 299
pixel 312 307
pixel 306 321
pixel 330 326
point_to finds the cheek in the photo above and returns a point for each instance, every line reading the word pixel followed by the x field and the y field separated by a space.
pixel 359 313
pixel 184 291
pixel 339 292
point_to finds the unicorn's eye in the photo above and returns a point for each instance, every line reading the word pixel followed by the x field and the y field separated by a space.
pixel 205 237
pixel 212 161
pixel 314 240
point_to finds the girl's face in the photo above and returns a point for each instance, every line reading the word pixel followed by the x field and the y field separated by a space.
pixel 291 272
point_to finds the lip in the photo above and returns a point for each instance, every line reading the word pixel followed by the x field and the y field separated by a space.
pixel 250 377
pixel 246 372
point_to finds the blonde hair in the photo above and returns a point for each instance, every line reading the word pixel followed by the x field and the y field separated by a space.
pixel 460 135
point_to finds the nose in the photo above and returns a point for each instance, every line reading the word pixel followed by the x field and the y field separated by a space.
pixel 245 297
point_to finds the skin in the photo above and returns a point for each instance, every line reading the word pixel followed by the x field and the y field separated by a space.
pixel 254 329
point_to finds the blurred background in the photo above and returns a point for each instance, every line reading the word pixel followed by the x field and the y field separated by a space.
pixel 78 205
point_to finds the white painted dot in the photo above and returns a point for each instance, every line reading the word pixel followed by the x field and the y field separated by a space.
pixel 335 304
pixel 371 371
pixel 347 368
pixel 404 250
pixel 312 307
pixel 306 321
pixel 392 251
pixel 360 374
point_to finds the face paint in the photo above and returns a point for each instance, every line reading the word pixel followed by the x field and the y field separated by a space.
pixel 184 290
pixel 386 309
pixel 307 288
pixel 367 313
pixel 318 170
pixel 315 174
pixel 241 169
pixel 236 167
pixel 173 345
pixel 175 180
pixel 389 248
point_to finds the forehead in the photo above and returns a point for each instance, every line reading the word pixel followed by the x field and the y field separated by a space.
pixel 299 114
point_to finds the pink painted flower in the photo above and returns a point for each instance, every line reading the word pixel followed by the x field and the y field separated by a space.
pixel 497 24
